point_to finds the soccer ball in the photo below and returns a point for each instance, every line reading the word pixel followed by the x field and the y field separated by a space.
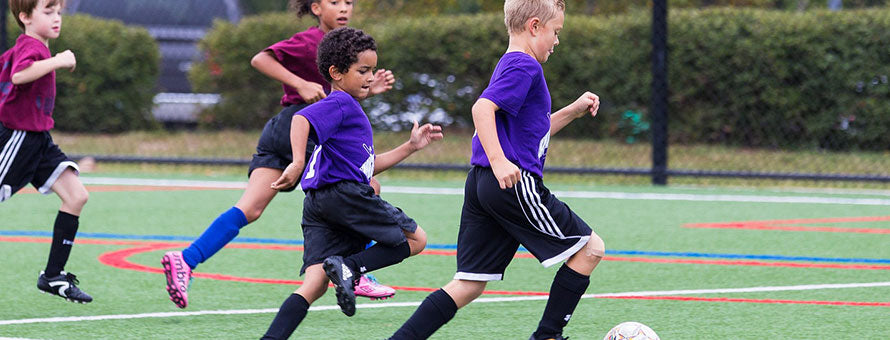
pixel 631 331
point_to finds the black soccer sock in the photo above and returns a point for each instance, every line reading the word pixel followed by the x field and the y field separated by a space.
pixel 63 239
pixel 565 292
pixel 289 316
pixel 435 311
pixel 376 257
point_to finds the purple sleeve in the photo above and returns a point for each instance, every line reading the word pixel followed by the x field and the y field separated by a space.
pixel 509 89
pixel 325 117
pixel 25 58
pixel 288 51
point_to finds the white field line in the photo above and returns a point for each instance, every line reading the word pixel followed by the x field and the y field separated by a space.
pixel 417 303
pixel 561 194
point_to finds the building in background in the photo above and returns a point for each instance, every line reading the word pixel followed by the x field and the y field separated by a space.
pixel 177 25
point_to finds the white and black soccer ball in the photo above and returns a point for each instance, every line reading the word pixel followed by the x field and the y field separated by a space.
pixel 631 331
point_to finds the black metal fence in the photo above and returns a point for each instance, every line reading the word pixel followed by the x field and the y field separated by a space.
pixel 752 97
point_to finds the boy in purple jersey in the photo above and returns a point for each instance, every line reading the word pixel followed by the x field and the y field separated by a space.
pixel 341 213
pixel 505 201
pixel 27 97
pixel 291 62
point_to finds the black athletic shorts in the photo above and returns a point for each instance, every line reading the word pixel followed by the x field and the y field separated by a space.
pixel 273 149
pixel 495 221
pixel 30 157
pixel 341 218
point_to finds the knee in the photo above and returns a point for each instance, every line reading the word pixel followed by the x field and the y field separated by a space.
pixel 79 198
pixel 595 247
pixel 252 213
pixel 464 291
pixel 417 241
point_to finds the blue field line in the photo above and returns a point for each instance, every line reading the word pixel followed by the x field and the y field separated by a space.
pixel 454 246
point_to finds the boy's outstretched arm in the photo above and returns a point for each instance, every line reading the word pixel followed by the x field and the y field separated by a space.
pixel 43 67
pixel 383 81
pixel 420 138
pixel 299 133
pixel 505 171
pixel 266 63
pixel 588 102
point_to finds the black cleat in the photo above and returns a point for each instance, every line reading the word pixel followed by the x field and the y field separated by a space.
pixel 63 285
pixel 556 337
pixel 344 283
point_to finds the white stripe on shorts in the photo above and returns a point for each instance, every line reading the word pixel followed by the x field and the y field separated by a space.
pixel 521 187
pixel 9 152
pixel 545 222
pixel 569 252
pixel 47 186
pixel 478 277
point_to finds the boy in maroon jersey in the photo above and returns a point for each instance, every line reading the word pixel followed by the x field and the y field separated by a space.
pixel 27 97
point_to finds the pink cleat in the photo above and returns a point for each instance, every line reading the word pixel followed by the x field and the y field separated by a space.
pixel 369 287
pixel 178 275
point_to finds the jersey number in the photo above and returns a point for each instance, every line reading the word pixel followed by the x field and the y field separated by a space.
pixel 311 172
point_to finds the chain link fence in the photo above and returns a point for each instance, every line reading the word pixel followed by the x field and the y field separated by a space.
pixel 693 91
pixel 769 94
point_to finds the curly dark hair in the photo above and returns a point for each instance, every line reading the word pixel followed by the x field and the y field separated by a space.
pixel 341 47
pixel 302 7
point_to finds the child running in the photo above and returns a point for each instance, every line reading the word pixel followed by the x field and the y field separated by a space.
pixel 505 201
pixel 341 213
pixel 292 62
pixel 27 97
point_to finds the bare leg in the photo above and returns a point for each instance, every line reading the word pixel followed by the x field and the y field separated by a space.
pixel 258 193
pixel 587 258
pixel 463 291
pixel 71 191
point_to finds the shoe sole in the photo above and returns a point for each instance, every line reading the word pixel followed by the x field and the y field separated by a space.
pixel 375 298
pixel 345 300
pixel 66 298
pixel 175 295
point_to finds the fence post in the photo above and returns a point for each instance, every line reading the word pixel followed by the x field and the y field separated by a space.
pixel 659 102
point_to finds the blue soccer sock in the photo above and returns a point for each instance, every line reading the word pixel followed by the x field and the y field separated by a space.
pixel 222 231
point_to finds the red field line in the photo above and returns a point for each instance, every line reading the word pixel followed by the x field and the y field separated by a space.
pixel 116 188
pixel 120 259
pixel 783 225
pixel 721 299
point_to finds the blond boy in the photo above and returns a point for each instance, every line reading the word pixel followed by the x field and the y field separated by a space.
pixel 505 202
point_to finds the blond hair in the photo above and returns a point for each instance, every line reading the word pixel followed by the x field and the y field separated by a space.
pixel 518 12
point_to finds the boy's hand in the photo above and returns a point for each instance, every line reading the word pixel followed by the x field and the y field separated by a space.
pixel 311 92
pixel 588 102
pixel 288 178
pixel 65 59
pixel 383 80
pixel 424 135
pixel 506 172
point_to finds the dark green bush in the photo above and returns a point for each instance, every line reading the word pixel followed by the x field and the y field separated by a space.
pixel 112 87
pixel 739 77
pixel 249 98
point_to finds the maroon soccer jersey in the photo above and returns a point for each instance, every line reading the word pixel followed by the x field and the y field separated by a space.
pixel 297 55
pixel 27 107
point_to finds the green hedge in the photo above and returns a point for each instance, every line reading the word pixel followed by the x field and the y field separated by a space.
pixel 248 97
pixel 112 87
pixel 741 77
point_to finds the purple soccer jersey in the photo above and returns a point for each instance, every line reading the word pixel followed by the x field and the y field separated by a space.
pixel 519 90
pixel 297 55
pixel 27 107
pixel 344 140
